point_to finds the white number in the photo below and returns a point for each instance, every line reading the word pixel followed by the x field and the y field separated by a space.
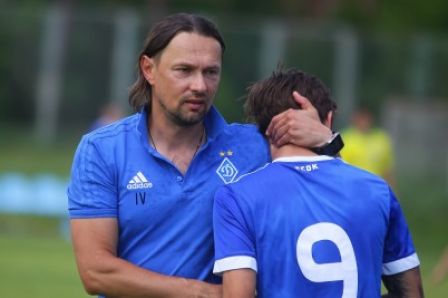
pixel 345 270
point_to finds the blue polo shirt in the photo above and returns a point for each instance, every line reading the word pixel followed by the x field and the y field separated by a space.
pixel 164 217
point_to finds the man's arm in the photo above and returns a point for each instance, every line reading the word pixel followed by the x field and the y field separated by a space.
pixel 300 127
pixel 103 273
pixel 239 283
pixel 407 284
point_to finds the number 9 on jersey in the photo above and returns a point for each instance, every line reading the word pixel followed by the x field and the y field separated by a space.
pixel 346 270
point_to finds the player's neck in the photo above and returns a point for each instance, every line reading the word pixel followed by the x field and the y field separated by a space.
pixel 289 150
pixel 169 135
pixel 180 144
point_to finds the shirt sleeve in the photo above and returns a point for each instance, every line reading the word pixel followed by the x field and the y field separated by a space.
pixel 399 251
pixel 91 191
pixel 234 240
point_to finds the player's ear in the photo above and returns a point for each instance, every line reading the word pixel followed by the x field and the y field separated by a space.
pixel 328 122
pixel 147 66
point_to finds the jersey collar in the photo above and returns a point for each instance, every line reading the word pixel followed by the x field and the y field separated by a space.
pixel 301 158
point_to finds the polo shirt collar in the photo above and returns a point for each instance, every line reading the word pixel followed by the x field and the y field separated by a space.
pixel 214 123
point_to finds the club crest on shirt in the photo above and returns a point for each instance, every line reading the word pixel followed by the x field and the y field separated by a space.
pixel 227 171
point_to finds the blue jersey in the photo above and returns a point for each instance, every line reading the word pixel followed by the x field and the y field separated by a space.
pixel 312 227
pixel 164 217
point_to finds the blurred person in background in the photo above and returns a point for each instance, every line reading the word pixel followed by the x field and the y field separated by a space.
pixel 368 147
pixel 109 113
pixel 440 271
pixel 297 227
pixel 141 190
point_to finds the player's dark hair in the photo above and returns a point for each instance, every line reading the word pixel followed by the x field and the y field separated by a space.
pixel 159 38
pixel 271 96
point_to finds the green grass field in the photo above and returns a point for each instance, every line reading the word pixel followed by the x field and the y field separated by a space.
pixel 33 266
pixel 36 262
pixel 42 266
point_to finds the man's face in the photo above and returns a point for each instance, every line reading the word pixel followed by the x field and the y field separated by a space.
pixel 184 77
pixel 363 121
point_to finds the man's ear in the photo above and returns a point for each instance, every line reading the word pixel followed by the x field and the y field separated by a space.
pixel 328 122
pixel 147 66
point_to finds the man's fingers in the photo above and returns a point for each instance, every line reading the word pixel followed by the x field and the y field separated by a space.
pixel 279 133
pixel 306 105
pixel 275 122
pixel 283 140
pixel 269 129
pixel 302 101
pixel 278 120
pixel 271 126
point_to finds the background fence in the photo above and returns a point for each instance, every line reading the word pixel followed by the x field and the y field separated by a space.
pixel 58 67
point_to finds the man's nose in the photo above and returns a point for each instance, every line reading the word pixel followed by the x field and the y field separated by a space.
pixel 198 83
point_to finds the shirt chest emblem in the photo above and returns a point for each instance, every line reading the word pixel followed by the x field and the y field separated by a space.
pixel 227 171
pixel 139 181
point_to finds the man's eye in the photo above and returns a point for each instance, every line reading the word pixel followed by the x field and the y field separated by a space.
pixel 183 69
pixel 212 72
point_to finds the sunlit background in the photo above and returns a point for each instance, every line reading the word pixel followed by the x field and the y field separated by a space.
pixel 63 63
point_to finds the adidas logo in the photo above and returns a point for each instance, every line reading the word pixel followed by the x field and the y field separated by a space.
pixel 139 181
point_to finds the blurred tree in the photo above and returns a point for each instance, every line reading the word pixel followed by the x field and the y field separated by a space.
pixel 21 29
pixel 414 15
pixel 398 15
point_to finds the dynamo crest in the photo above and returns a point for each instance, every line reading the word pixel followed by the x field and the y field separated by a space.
pixel 227 171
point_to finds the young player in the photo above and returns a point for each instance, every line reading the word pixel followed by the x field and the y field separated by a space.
pixel 307 225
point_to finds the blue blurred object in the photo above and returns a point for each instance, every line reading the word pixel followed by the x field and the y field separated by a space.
pixel 49 195
pixel 14 195
pixel 43 194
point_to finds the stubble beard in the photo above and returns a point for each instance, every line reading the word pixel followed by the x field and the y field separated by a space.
pixel 181 118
